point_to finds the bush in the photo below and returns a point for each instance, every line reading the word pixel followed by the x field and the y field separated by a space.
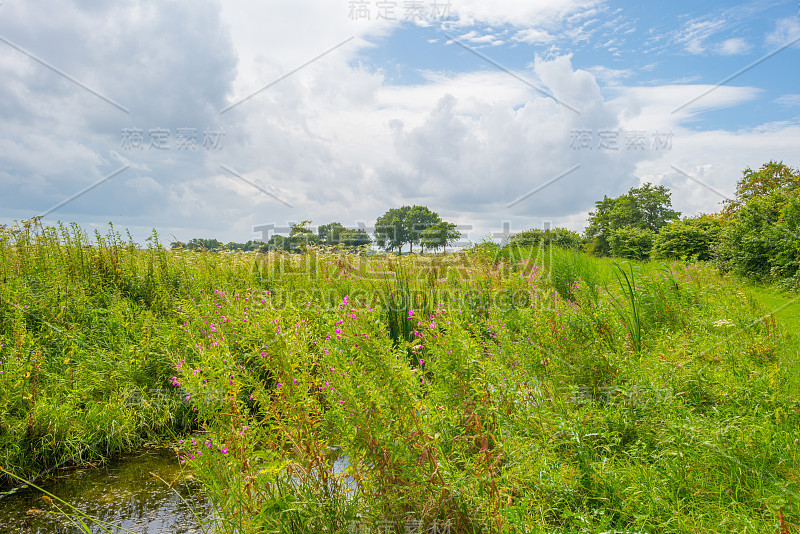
pixel 632 243
pixel 689 239
pixel 560 237
pixel 760 241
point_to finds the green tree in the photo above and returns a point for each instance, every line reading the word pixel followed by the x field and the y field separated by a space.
pixel 204 244
pixel 645 208
pixel 693 238
pixel 439 236
pixel 560 237
pixel 769 177
pixel 404 225
pixel 761 240
pixel 631 242
pixel 355 238
pixel 330 234
pixel 300 237
pixel 278 242
pixel 760 236
pixel 419 219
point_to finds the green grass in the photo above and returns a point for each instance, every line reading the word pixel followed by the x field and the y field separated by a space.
pixel 500 389
pixel 785 306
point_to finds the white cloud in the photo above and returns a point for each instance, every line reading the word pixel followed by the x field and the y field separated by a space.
pixel 788 100
pixel 716 159
pixel 786 30
pixel 534 36
pixel 335 139
pixel 657 107
pixel 522 13
pixel 734 46
pixel 609 75
pixel 478 39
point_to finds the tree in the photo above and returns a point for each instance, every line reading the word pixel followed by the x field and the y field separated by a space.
pixel 203 244
pixel 693 238
pixel 300 237
pixel 631 242
pixel 760 235
pixel 560 237
pixel 439 235
pixel 355 238
pixel 770 177
pixel 330 234
pixel 399 226
pixel 277 242
pixel 390 229
pixel 761 240
pixel 419 219
pixel 645 208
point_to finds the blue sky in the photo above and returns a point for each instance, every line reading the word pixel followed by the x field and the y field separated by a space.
pixel 630 43
pixel 274 112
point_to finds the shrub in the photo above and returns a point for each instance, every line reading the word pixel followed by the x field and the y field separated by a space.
pixel 692 238
pixel 632 243
pixel 760 241
pixel 560 237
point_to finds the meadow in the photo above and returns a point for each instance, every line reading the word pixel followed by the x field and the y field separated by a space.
pixel 498 389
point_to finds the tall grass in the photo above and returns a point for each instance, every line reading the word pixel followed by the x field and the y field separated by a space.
pixel 531 389
pixel 631 318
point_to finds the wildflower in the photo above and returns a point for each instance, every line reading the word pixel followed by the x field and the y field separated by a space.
pixel 225 450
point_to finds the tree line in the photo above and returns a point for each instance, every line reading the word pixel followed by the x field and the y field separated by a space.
pixel 407 225
pixel 755 235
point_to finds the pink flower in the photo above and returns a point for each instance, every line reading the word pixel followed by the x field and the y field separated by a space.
pixel 225 450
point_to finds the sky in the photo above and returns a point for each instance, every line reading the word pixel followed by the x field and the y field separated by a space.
pixel 233 120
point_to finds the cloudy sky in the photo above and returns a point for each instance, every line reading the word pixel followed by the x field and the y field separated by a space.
pixel 207 118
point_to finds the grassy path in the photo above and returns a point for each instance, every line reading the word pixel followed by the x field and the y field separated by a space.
pixel 785 307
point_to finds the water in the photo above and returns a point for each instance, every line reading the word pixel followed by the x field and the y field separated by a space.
pixel 123 493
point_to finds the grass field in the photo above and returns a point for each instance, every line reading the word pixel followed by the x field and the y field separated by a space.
pixel 492 390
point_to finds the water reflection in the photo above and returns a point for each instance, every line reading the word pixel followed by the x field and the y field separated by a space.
pixel 125 493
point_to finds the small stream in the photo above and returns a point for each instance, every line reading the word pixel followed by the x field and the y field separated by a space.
pixel 124 492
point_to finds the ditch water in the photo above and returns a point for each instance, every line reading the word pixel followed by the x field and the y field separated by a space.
pixel 125 493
